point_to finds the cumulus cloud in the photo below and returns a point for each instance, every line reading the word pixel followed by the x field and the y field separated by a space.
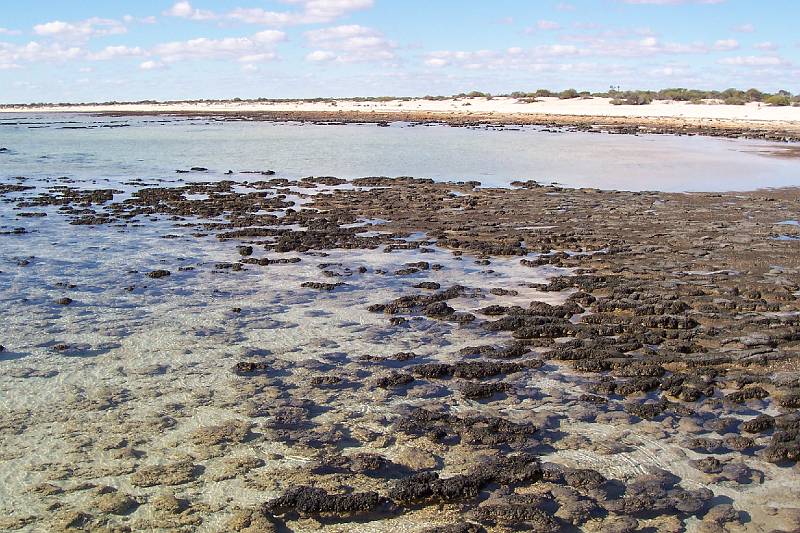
pixel 6 31
pixel 349 43
pixel 258 47
pixel 321 11
pixel 82 30
pixel 752 61
pixel 766 46
pixel 604 45
pixel 114 52
pixel 631 44
pixel 320 56
pixel 309 12
pixel 726 44
pixel 35 51
pixel 437 62
pixel 185 10
pixel 151 65
pixel 669 71
pixel 535 59
pixel 129 19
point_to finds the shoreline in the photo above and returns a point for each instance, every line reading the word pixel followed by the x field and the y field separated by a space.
pixel 596 114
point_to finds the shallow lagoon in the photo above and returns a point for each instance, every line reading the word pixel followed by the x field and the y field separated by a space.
pixel 85 146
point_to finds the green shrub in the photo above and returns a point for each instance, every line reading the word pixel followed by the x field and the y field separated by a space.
pixel 632 98
pixel 733 93
pixel 754 95
pixel 685 95
pixel 778 100
pixel 735 100
pixel 568 94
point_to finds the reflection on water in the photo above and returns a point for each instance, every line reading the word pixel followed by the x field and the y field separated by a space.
pixel 94 147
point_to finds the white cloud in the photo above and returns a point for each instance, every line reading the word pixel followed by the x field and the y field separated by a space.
pixel 262 17
pixel 534 59
pixel 752 61
pixel 631 43
pixel 6 31
pixel 185 10
pixel 82 30
pixel 269 37
pixel 258 58
pixel 113 52
pixel 557 50
pixel 436 62
pixel 310 12
pixel 35 51
pixel 129 19
pixel 767 46
pixel 548 25
pixel 321 11
pixel 151 65
pixel 257 46
pixel 349 43
pixel 320 56
pixel 726 44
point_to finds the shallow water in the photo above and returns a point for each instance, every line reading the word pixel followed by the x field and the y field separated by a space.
pixel 131 355
pixel 125 376
pixel 84 146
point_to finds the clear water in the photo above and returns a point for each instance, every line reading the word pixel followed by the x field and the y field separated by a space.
pixel 150 147
pixel 147 363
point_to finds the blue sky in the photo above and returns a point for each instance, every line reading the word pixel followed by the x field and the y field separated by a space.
pixel 95 50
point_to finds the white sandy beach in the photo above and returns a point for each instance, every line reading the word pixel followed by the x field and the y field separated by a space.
pixel 596 107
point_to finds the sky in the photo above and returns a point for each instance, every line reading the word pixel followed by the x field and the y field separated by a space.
pixel 126 50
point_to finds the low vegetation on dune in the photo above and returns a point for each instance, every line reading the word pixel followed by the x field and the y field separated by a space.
pixel 636 97
pixel 726 97
pixel 615 94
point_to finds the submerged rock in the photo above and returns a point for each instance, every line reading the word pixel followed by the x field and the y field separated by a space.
pixel 311 501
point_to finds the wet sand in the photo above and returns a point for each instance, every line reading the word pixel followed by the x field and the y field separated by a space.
pixel 397 354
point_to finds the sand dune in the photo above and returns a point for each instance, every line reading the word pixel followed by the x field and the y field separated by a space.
pixel 600 107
